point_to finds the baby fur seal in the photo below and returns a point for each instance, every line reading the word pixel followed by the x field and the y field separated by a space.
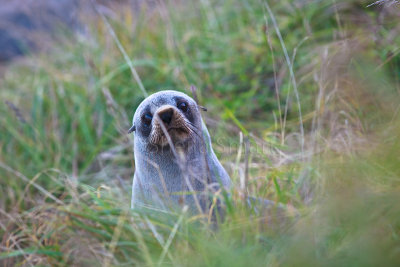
pixel 174 160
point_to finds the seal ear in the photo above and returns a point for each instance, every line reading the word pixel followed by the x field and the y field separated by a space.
pixel 202 108
pixel 132 129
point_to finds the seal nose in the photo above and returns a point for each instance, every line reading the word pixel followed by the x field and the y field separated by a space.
pixel 166 115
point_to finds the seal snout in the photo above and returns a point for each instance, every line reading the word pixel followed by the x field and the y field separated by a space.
pixel 166 115
pixel 169 121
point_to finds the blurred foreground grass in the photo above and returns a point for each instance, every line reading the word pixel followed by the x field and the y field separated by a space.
pixel 66 162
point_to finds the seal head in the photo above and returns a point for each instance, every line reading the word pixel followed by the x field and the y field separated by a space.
pixel 175 163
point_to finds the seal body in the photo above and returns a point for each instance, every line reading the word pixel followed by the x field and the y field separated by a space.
pixel 174 160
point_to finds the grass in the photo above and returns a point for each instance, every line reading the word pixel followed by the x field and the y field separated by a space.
pixel 66 162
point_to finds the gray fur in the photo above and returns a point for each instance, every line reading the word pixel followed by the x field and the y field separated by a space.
pixel 160 178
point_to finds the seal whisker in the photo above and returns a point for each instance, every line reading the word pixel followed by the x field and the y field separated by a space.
pixel 193 129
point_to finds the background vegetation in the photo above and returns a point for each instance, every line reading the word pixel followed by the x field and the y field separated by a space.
pixel 314 85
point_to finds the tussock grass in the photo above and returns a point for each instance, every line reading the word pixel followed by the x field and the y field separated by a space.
pixel 66 162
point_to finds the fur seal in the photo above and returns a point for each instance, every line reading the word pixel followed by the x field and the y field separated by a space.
pixel 174 160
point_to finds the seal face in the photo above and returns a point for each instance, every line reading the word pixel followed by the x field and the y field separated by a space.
pixel 174 160
pixel 177 120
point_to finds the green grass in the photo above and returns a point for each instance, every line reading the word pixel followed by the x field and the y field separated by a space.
pixel 66 162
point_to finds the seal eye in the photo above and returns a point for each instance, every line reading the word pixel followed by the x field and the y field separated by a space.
pixel 146 118
pixel 183 106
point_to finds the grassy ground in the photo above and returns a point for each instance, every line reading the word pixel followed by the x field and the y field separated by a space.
pixel 314 85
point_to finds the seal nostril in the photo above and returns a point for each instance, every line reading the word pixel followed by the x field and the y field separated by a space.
pixel 166 116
